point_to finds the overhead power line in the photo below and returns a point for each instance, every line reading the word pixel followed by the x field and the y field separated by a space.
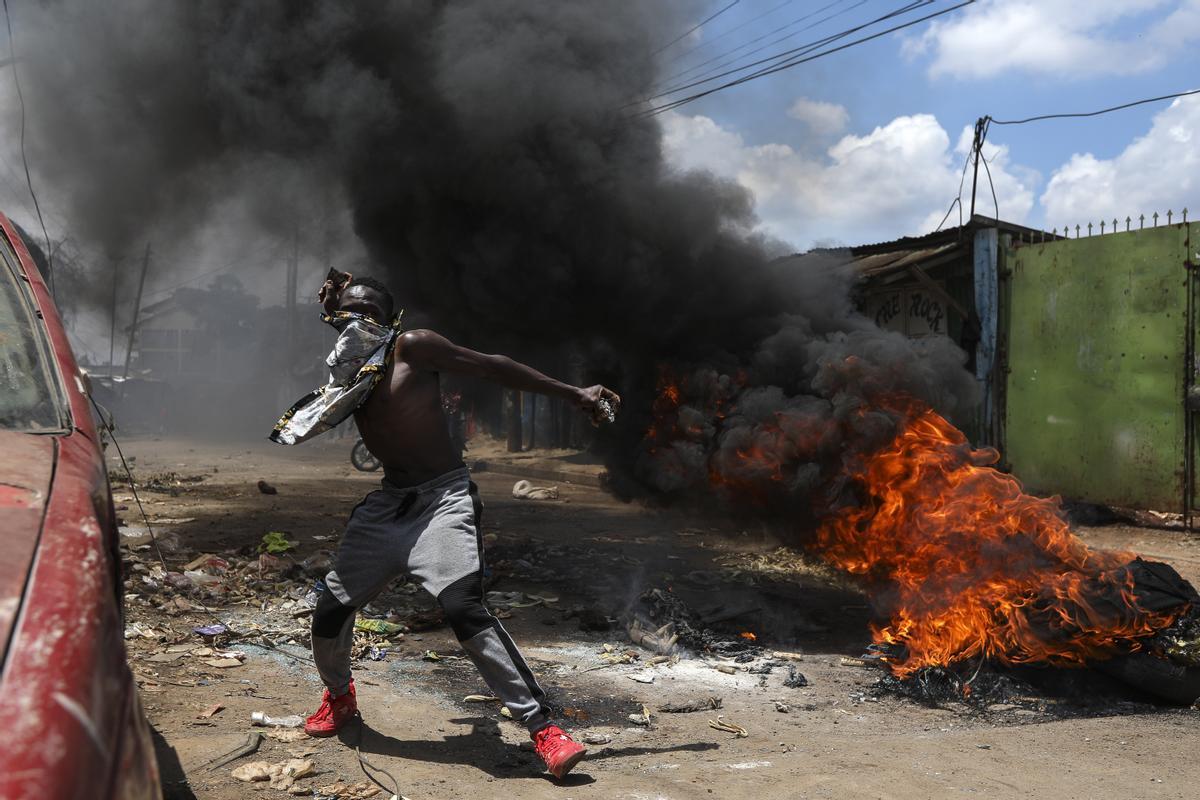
pixel 660 109
pixel 699 68
pixel 730 32
pixel 1093 113
pixel 697 27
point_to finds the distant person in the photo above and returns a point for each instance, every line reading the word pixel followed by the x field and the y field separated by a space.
pixel 425 518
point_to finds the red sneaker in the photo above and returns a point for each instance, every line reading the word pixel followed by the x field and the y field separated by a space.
pixel 333 713
pixel 560 752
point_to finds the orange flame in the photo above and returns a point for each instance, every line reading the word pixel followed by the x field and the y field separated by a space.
pixel 977 566
pixel 748 636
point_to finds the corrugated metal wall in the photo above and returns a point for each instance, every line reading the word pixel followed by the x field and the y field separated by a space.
pixel 1098 336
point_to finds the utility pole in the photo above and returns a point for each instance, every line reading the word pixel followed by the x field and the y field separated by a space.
pixel 137 310
pixel 515 437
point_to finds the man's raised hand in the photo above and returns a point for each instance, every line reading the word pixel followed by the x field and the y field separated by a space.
pixel 594 399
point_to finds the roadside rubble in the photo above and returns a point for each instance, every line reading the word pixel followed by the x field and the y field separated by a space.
pixel 524 490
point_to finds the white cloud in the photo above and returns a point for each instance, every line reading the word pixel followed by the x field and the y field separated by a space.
pixel 1066 38
pixel 824 119
pixel 1156 172
pixel 896 180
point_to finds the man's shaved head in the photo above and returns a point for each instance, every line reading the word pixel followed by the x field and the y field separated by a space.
pixel 368 296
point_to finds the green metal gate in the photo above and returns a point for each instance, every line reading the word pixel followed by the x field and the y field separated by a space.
pixel 1100 339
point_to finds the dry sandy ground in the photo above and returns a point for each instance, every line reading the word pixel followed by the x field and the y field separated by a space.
pixel 836 741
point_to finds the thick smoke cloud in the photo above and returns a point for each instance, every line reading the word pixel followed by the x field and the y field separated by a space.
pixel 495 173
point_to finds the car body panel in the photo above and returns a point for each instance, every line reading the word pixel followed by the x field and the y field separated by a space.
pixel 74 723
pixel 25 474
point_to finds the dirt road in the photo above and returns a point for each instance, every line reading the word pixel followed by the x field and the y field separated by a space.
pixel 586 556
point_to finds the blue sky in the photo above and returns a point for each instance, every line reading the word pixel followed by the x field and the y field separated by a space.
pixel 866 145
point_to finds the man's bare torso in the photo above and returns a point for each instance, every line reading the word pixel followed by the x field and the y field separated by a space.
pixel 404 426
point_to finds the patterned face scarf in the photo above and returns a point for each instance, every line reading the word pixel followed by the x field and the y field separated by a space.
pixel 356 364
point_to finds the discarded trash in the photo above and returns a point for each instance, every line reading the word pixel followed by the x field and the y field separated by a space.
pixel 643 718
pixel 274 542
pixel 379 626
pixel 700 704
pixel 721 724
pixel 253 740
pixel 430 655
pixel 642 677
pixel 376 653
pixel 847 661
pixel 199 578
pixel 596 738
pixel 480 698
pixel 286 735
pixel 728 669
pixel 314 594
pixel 795 678
pixel 209 563
pixel 786 656
pixel 317 565
pixel 267 488
pixel 223 663
pixel 140 629
pixel 782 708
pixel 524 490
pixel 281 775
pixel 211 711
pixel 353 791
pixel 210 630
pixel 260 719
pixel 504 712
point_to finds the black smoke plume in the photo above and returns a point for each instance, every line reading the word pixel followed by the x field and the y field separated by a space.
pixel 495 173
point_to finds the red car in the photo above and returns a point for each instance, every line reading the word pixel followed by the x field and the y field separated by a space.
pixel 73 724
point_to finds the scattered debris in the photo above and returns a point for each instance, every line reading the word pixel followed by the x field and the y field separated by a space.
pixel 721 724
pixel 374 653
pixel 267 488
pixel 211 711
pixel 643 718
pixel 253 740
pixel 480 698
pixel 596 738
pixel 379 626
pixel 728 669
pixel 275 542
pixel 344 791
pixel 782 708
pixel 263 720
pixel 795 678
pixel 210 630
pixel 700 704
pixel 281 775
pixel 524 490
pixel 642 677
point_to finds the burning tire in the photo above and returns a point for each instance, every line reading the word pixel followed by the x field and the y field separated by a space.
pixel 1156 676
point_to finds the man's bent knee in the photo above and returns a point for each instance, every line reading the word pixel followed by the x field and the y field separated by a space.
pixel 330 615
pixel 462 601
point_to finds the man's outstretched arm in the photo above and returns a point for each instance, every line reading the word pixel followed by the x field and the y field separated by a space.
pixel 424 349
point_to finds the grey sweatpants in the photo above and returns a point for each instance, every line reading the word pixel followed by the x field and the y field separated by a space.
pixel 430 531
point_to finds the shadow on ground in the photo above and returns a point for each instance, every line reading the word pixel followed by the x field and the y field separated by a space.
pixel 484 749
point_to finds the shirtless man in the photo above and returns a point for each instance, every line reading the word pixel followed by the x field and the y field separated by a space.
pixel 424 521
